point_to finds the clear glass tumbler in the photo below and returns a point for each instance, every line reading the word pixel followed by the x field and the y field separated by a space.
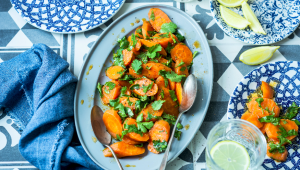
pixel 243 132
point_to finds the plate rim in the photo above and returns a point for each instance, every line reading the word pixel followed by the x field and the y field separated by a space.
pixel 29 22
pixel 248 42
pixel 204 46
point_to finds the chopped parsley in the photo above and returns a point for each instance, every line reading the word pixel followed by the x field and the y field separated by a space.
pixel 147 88
pixel 177 134
pixel 130 128
pixel 143 126
pixel 168 27
pixel 160 146
pixel 110 85
pixel 292 111
pixel 169 47
pixel 180 37
pixel 140 117
pixel 139 31
pixel 99 87
pixel 137 66
pixel 162 94
pixel 152 16
pixel 259 100
pixel 171 75
pixel 123 91
pixel 180 64
pixel 135 86
pixel 156 105
pixel 133 40
pixel 151 33
pixel 182 68
pixel 124 43
pixel 195 53
pixel 270 119
pixel 276 147
pixel 173 95
pixel 153 51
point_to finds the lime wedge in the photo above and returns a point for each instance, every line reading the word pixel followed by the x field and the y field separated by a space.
pixel 230 155
pixel 231 3
pixel 258 55
pixel 251 17
pixel 233 19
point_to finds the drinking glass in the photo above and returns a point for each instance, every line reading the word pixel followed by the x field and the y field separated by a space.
pixel 242 132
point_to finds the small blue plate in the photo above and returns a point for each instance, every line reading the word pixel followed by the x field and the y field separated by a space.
pixel 279 19
pixel 67 16
pixel 287 91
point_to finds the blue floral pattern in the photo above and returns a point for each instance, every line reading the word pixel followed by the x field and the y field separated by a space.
pixel 279 19
pixel 67 16
pixel 287 73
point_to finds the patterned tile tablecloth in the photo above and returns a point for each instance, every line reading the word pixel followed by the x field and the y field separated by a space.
pixel 16 36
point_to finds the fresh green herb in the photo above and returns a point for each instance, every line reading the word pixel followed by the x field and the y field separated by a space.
pixel 182 68
pixel 153 51
pixel 195 53
pixel 297 122
pixel 133 40
pixel 173 95
pixel 137 66
pixel 180 64
pixel 180 37
pixel 123 43
pixel 151 33
pixel 139 118
pixel 292 111
pixel 283 134
pixel 156 105
pixel 139 105
pixel 139 145
pixel 147 88
pixel 259 100
pixel 114 103
pixel 160 146
pixel 179 126
pixel 169 118
pixel 284 121
pixel 143 126
pixel 122 111
pixel 169 47
pixel 126 77
pixel 148 68
pixel 162 94
pixel 130 128
pixel 110 85
pixel 171 75
pixel 129 112
pixel 173 39
pixel 123 91
pixel 118 61
pixel 139 31
pixel 135 86
pixel 119 138
pixel 129 102
pixel 168 27
pixel 276 147
pixel 270 119
pixel 99 87
pixel 152 16
pixel 177 134
pixel 143 57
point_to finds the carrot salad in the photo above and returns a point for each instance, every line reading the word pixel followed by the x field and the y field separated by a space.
pixel 279 129
pixel 145 90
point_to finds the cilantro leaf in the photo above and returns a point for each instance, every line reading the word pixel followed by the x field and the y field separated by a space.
pixel 174 77
pixel 137 66
pixel 270 119
pixel 129 112
pixel 151 33
pixel 110 85
pixel 153 51
pixel 195 53
pixel 292 111
pixel 160 146
pixel 179 125
pixel 147 88
pixel 135 86
pixel 156 105
pixel 143 57
pixel 168 27
pixel 162 94
pixel 140 117
pixel 118 61
pixel 139 106
pixel 122 111
pixel 276 147
pixel 173 39
pixel 180 37
pixel 133 40
pixel 123 91
pixel 119 138
pixel 297 122
pixel 180 64
pixel 152 16
pixel 139 31
pixel 139 145
pixel 173 95
pixel 123 42
pixel 99 87
pixel 169 47
pixel 182 68
pixel 143 126
pixel 130 128
pixel 177 134
pixel 114 103
pixel 259 100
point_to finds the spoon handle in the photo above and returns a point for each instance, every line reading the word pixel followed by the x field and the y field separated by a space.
pixel 165 158
pixel 115 156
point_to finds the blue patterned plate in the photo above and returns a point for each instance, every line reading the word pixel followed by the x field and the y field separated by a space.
pixel 286 92
pixel 67 16
pixel 279 19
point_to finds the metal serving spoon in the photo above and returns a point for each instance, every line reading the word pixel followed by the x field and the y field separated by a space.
pixel 100 130
pixel 188 97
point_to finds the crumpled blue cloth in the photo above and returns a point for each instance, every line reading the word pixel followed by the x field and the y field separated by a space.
pixel 37 90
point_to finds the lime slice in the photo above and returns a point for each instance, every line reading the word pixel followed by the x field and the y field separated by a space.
pixel 233 19
pixel 230 155
pixel 251 17
pixel 258 55
pixel 231 3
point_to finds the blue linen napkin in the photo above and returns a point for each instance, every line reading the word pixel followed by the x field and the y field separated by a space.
pixel 37 90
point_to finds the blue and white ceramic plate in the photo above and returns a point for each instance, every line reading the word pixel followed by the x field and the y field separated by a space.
pixel 99 59
pixel 287 73
pixel 279 19
pixel 67 16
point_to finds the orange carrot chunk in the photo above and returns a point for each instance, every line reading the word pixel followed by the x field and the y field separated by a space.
pixel 254 108
pixel 183 53
pixel 164 39
pixel 289 125
pixel 126 100
pixel 123 149
pixel 128 57
pixel 110 94
pixel 267 90
pixel 246 115
pixel 146 28
pixel 280 157
pixel 115 72
pixel 271 130
pixel 181 68
pixel 169 106
pixel 254 120
pixel 161 82
pixel 157 18
pixel 149 43
pixel 133 135
pixel 113 123
pixel 178 91
pixel 144 87
pixel 149 113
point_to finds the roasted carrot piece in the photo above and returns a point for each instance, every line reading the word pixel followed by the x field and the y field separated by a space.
pixel 160 131
pixel 130 141
pixel 280 157
pixel 149 112
pixel 123 83
pixel 172 84
pixel 178 91
pixel 115 72
pixel 145 28
pixel 181 69
pixel 246 115
pixel 164 39
pixel 157 18
pixel 182 52
pixel 169 106
pixel 160 81
pixel 112 94
pixel 153 69
pixel 262 129
pixel 123 149
pixel 112 122
pixel 133 135
pixel 149 43
pixel 254 120
pixel 151 148
pixel 128 57
pixel 271 130
pixel 139 32
pixel 267 103
pixel 289 125
pixel 267 90
pixel 145 83
pixel 135 75
pixel 125 102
